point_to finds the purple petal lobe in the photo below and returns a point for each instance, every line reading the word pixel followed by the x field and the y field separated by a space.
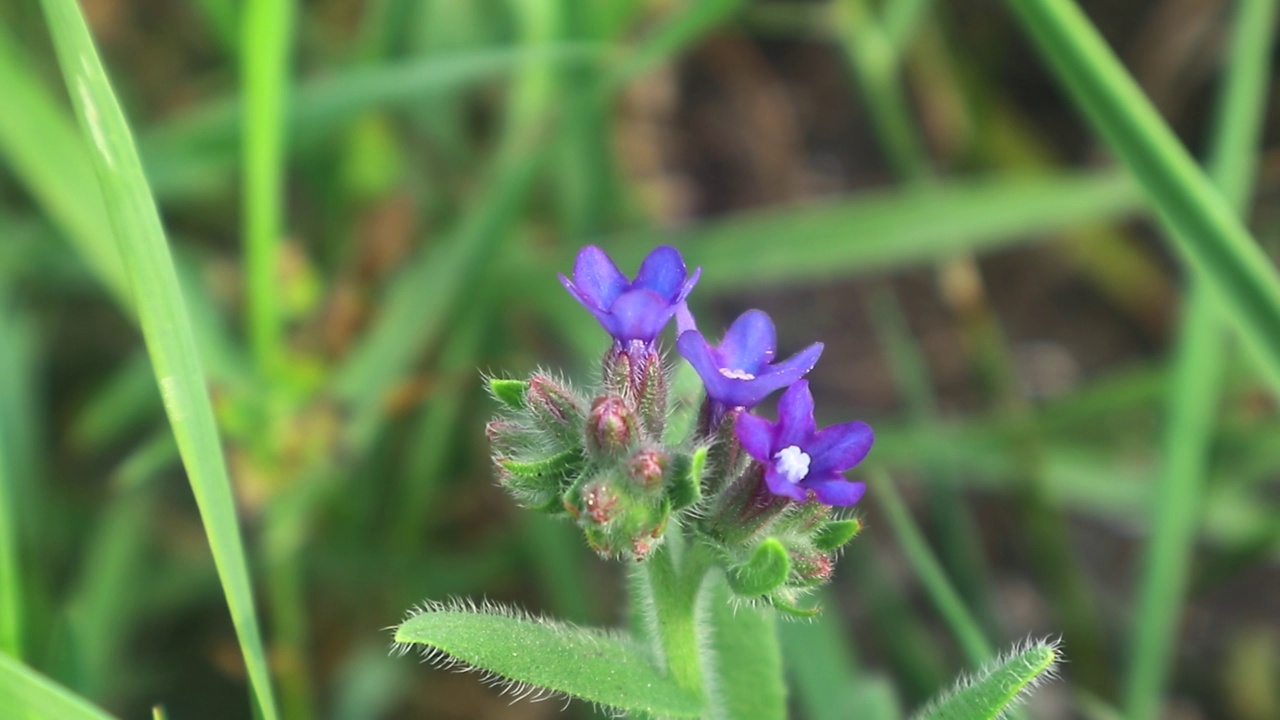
pixel 780 485
pixel 840 493
pixel 638 315
pixel 694 348
pixel 795 415
pixel 840 447
pixel 750 342
pixel 662 272
pixel 795 367
pixel 756 435
pixel 597 278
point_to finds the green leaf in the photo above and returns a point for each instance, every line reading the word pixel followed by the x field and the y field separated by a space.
pixel 834 534
pixel 534 656
pixel 165 324
pixel 994 690
pixel 766 571
pixel 741 657
pixel 26 693
pixel 509 392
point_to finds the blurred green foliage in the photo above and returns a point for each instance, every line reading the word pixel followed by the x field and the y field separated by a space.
pixel 366 204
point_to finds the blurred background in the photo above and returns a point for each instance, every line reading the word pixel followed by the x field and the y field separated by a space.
pixel 902 180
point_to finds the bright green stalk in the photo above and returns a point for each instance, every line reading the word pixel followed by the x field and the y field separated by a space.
pixel 1197 378
pixel 166 326
pixel 673 581
pixel 268 27
pixel 14 352
pixel 900 18
pixel 1208 235
pixel 929 570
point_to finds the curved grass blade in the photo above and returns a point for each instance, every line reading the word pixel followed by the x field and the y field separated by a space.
pixel 165 324
pixel 16 370
pixel 533 657
pixel 26 693
pixel 1204 230
pixel 48 156
pixel 994 690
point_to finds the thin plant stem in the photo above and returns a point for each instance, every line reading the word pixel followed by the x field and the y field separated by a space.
pixel 267 31
pixel 675 575
pixel 943 594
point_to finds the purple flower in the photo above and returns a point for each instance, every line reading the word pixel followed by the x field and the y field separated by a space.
pixel 740 371
pixel 631 310
pixel 797 457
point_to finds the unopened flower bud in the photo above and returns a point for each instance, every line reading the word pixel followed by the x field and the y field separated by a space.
pixel 599 503
pixel 611 426
pixel 647 468
pixel 557 409
pixel 810 569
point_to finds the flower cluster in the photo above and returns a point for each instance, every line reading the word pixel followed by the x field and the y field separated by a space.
pixel 758 492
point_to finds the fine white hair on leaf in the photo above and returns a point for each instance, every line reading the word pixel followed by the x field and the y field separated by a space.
pixel 968 680
pixel 517 690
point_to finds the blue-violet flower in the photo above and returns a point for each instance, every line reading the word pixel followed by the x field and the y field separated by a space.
pixel 798 458
pixel 740 371
pixel 631 309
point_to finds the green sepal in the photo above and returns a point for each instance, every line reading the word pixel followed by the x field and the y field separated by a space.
pixel 686 485
pixel 509 392
pixel 834 534
pixel 766 571
pixel 787 608
pixel 556 466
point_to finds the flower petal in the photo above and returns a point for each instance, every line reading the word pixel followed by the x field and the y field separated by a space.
pixel 779 485
pixel 793 368
pixel 750 342
pixel 684 319
pixel 639 315
pixel 695 349
pixel 795 416
pixel 662 272
pixel 837 491
pixel 756 436
pixel 840 447
pixel 597 278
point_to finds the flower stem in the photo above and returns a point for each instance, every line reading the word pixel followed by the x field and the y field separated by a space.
pixel 674 574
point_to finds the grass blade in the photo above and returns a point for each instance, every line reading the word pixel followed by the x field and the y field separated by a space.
pixel 165 325
pixel 1204 230
pixel 47 155
pixel 929 570
pixel 27 693
pixel 877 231
pixel 1197 379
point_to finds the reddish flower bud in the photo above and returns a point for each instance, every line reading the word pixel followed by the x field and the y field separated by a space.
pixel 599 502
pixel 647 468
pixel 812 568
pixel 611 426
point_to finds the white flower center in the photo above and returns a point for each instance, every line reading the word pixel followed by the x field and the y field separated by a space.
pixel 736 374
pixel 793 463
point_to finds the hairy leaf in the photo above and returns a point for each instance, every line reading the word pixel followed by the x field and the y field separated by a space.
pixel 534 657
pixel 997 687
